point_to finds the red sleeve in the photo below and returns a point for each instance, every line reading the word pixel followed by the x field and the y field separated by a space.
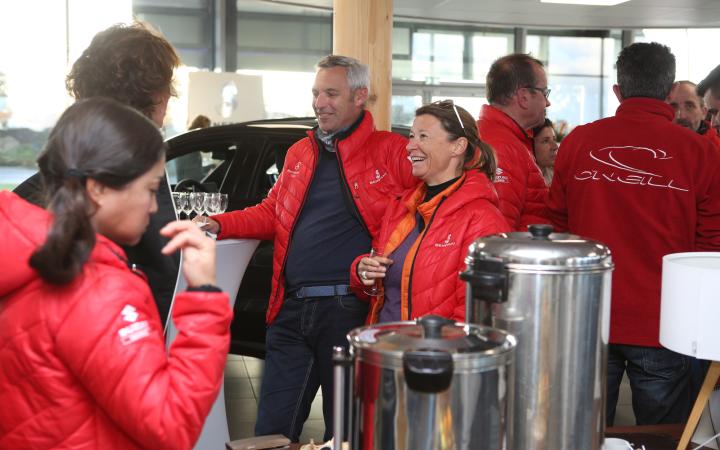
pixel 397 163
pixel 113 343
pixel 259 221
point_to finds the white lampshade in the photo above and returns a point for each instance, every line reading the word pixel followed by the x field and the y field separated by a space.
pixel 690 309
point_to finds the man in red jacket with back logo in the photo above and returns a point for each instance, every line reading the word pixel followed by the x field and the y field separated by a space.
pixel 645 187
pixel 518 95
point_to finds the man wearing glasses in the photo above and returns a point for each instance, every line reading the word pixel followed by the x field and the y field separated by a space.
pixel 518 95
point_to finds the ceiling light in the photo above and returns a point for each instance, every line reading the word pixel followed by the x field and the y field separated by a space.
pixel 587 2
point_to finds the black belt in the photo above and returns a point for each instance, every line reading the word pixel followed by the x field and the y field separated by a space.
pixel 320 291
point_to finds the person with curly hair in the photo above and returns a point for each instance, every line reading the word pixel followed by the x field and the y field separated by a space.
pixel 132 64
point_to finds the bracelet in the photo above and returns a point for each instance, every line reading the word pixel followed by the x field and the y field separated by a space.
pixel 204 288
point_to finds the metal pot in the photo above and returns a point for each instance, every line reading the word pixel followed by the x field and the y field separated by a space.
pixel 554 296
pixel 428 384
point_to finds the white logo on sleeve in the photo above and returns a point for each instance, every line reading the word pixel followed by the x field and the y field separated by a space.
pixel 295 170
pixel 129 313
pixel 136 330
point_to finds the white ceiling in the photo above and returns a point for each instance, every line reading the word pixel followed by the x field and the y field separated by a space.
pixel 532 13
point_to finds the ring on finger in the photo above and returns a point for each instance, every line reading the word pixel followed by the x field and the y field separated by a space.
pixel 363 275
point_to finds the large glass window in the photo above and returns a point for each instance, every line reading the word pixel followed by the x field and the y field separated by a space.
pixel 692 48
pixel 187 24
pixel 580 74
pixel 41 39
pixel 291 42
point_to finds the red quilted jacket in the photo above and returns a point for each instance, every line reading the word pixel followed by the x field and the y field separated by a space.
pixel 84 366
pixel 519 182
pixel 455 217
pixel 375 167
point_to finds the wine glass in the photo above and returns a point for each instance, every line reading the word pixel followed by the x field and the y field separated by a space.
pixel 179 200
pixel 212 203
pixel 376 288
pixel 198 204
pixel 187 205
pixel 222 207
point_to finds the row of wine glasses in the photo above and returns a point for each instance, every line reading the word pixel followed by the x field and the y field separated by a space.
pixel 207 203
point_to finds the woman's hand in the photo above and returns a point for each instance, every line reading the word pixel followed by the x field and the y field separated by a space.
pixel 370 269
pixel 207 224
pixel 198 251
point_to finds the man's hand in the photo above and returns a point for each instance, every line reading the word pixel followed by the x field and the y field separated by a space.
pixel 208 224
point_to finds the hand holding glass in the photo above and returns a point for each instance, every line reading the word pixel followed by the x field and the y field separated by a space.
pixel 373 267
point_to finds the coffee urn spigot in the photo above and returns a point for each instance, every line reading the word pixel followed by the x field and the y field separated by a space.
pixel 487 284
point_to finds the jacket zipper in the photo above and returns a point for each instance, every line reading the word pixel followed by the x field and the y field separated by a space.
pixel 292 228
pixel 412 266
pixel 347 189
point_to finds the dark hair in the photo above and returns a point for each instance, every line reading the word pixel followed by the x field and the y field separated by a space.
pixel 645 70
pixel 508 74
pixel 711 81
pixel 545 124
pixel 97 138
pixel 200 121
pixel 129 63
pixel 478 153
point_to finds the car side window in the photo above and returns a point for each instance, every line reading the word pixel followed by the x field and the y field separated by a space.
pixel 194 165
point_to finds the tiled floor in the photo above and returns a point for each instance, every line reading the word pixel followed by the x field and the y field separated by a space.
pixel 242 389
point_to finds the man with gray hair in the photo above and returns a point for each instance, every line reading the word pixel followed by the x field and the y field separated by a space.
pixel 324 210
pixel 647 188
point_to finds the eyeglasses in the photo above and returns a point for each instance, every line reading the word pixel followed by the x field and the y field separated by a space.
pixel 442 103
pixel 545 91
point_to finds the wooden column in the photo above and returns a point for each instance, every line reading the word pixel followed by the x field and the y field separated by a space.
pixel 363 29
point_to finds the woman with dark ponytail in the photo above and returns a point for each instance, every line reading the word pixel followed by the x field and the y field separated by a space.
pixel 426 232
pixel 82 352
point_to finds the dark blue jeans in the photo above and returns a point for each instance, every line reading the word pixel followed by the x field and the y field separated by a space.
pixel 659 379
pixel 299 360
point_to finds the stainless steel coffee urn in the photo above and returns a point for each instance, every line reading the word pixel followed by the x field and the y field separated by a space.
pixel 552 292
pixel 430 384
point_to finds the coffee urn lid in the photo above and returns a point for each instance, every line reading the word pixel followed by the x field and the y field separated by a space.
pixel 541 249
pixel 471 346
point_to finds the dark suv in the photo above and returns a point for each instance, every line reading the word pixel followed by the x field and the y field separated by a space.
pixel 244 161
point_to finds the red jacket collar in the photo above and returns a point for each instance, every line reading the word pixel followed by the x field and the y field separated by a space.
pixel 492 114
pixel 645 105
